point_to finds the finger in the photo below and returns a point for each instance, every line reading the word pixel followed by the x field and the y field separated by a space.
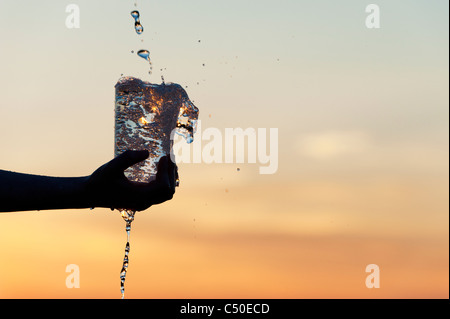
pixel 127 159
pixel 172 178
pixel 162 176
pixel 162 186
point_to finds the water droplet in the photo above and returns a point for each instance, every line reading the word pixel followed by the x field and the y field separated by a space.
pixel 137 23
pixel 144 54
pixel 138 27
pixel 135 14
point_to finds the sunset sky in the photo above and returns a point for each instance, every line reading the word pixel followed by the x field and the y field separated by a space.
pixel 362 118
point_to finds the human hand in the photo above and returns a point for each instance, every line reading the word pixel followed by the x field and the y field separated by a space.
pixel 109 187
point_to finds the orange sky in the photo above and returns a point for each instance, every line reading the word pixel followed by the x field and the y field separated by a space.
pixel 235 246
pixel 362 175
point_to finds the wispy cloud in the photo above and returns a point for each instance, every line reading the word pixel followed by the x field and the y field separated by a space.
pixel 332 144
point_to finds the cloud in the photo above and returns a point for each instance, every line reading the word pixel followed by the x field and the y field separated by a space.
pixel 332 144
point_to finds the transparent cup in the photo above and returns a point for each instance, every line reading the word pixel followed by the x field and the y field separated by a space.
pixel 145 116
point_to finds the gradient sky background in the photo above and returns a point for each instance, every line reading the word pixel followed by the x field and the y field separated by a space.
pixel 363 148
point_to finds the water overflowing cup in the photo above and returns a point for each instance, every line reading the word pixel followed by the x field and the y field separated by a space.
pixel 146 116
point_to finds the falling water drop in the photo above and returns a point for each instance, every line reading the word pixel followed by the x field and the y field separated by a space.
pixel 123 272
pixel 138 27
pixel 128 216
pixel 137 23
pixel 135 14
pixel 144 54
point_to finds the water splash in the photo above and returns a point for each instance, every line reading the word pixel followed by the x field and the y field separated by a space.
pixel 146 115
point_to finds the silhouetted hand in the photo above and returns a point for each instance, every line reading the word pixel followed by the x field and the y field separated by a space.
pixel 108 186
